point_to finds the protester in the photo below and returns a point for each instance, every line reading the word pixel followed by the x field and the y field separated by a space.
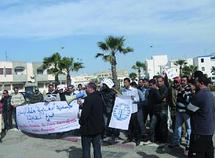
pixel 140 116
pixel 70 90
pixel 183 99
pixel 61 91
pixel 51 89
pixel 92 122
pixel 108 96
pixel 81 90
pixel 17 99
pixel 52 94
pixel 173 92
pixel 143 85
pixel 6 111
pixel 202 120
pixel 154 102
pixel 36 96
pixel 133 130
pixel 163 115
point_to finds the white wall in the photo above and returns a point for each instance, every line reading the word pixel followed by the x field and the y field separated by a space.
pixel 6 78
pixel 206 65
pixel 156 65
pixel 30 72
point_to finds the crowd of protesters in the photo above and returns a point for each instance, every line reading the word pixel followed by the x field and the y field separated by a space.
pixel 184 107
pixel 9 103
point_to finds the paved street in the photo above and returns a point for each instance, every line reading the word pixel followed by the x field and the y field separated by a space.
pixel 18 145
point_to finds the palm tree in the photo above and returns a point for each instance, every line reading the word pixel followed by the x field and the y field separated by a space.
pixel 52 64
pixel 181 64
pixel 133 76
pixel 138 66
pixel 69 65
pixel 189 70
pixel 110 47
pixel 213 70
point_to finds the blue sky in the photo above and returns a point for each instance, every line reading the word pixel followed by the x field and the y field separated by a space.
pixel 31 30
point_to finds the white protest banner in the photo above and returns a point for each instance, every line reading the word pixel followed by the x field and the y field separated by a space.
pixel 48 117
pixel 121 113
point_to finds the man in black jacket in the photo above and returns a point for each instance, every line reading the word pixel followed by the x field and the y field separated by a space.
pixel 92 122
pixel 7 110
pixel 108 96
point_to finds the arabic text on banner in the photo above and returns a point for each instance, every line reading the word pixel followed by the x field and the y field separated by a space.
pixel 45 118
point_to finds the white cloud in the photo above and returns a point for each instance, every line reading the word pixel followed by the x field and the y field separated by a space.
pixel 153 18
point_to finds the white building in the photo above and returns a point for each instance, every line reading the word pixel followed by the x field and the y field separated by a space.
pixel 173 70
pixel 205 64
pixel 156 65
pixel 19 74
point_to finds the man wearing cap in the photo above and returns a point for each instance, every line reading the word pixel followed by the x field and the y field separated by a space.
pixel 108 96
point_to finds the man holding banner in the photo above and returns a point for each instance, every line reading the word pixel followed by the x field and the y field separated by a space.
pixel 134 129
pixel 92 122
pixel 108 96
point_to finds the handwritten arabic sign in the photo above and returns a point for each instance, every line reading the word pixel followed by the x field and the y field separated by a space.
pixel 121 113
pixel 44 118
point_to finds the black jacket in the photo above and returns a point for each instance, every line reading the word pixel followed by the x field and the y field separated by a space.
pixel 158 99
pixel 6 104
pixel 108 96
pixel 91 120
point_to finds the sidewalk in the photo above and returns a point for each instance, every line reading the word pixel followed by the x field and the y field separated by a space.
pixel 18 145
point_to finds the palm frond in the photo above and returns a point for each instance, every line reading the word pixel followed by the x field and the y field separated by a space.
pixel 99 55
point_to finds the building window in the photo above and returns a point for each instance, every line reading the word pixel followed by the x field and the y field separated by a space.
pixel 203 68
pixel 202 60
pixel 19 70
pixel 7 87
pixel 1 71
pixel 39 71
pixel 8 71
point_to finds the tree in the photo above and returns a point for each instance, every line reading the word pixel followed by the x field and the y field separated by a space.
pixel 213 70
pixel 133 76
pixel 53 66
pixel 189 70
pixel 110 47
pixel 181 64
pixel 69 65
pixel 138 66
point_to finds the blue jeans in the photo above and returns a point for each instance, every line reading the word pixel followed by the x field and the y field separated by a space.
pixel 153 123
pixel 86 143
pixel 14 117
pixel 181 117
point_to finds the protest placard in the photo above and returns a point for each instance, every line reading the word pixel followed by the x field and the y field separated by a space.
pixel 48 117
pixel 121 113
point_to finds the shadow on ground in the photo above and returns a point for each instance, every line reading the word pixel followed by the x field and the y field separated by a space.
pixel 176 152
pixel 53 135
pixel 72 152
pixel 144 155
